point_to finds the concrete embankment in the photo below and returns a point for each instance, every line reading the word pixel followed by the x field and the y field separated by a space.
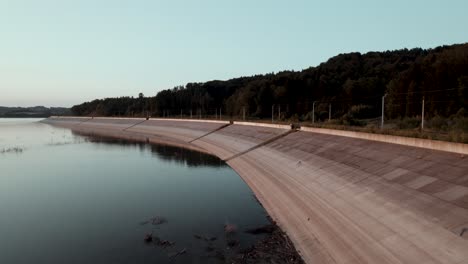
pixel 340 198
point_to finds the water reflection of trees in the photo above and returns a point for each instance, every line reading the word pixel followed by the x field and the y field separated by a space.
pixel 182 156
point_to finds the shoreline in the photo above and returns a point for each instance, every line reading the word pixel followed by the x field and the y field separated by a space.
pixel 276 246
pixel 332 195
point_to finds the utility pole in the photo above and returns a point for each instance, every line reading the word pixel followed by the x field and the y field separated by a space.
pixel 383 111
pixel 180 113
pixel 199 113
pixel 279 113
pixel 190 113
pixel 243 113
pixel 422 115
pixel 313 112
pixel 272 113
pixel 329 112
pixel 216 113
pixel 220 114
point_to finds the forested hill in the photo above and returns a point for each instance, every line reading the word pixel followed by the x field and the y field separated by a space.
pixel 347 81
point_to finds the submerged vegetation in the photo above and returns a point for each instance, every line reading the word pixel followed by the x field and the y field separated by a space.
pixel 12 150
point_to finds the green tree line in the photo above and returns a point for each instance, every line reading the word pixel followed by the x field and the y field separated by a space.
pixel 350 82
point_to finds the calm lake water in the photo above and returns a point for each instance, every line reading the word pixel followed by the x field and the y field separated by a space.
pixel 66 198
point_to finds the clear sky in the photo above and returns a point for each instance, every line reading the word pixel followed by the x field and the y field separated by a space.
pixel 63 52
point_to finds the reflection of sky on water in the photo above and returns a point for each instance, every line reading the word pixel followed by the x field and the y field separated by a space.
pixel 73 199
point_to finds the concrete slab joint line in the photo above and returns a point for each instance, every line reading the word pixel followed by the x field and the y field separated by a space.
pixel 463 231
pixel 134 125
pixel 262 144
pixel 211 132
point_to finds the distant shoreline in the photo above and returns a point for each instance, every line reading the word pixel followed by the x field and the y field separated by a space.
pixel 24 117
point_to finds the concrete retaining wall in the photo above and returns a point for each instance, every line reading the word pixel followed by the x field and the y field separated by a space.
pixel 406 141
pixel 342 197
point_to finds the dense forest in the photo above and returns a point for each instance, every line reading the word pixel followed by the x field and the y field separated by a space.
pixel 350 84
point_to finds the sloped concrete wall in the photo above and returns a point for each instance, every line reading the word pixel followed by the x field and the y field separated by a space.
pixel 345 200
pixel 341 199
pixel 406 141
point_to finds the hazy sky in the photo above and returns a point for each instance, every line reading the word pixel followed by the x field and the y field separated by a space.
pixel 62 52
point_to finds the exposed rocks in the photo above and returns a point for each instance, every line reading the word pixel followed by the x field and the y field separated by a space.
pixel 232 243
pixel 274 248
pixel 148 238
pixel 210 249
pixel 163 243
pixel 230 228
pixel 178 253
pixel 158 220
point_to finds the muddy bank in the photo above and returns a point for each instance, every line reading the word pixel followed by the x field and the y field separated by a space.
pixel 272 246
pixel 276 247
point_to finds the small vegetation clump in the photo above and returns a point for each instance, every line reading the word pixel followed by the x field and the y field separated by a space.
pixel 11 150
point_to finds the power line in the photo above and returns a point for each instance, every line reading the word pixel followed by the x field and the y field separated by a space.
pixel 423 92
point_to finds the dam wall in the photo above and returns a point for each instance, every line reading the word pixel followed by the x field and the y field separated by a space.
pixel 340 198
pixel 406 141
